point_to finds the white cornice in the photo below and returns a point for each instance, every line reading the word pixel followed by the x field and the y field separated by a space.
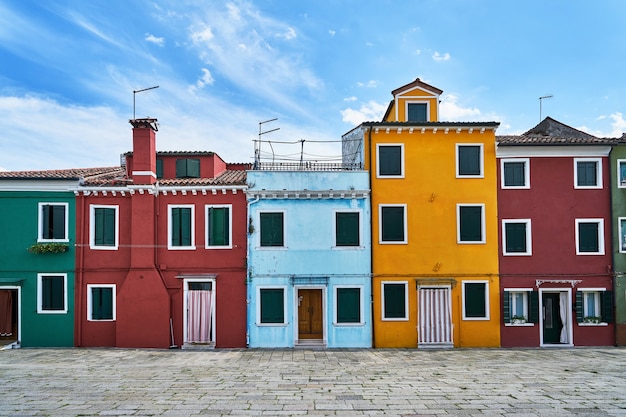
pixel 546 151
pixel 308 194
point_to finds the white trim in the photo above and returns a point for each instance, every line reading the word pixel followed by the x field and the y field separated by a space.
pixel 90 301
pixel 411 100
pixel 548 151
pixel 19 310
pixel 361 306
pixel 334 229
pixel 192 246
pixel 148 173
pixel 599 171
pixel 481 162
pixel 296 318
pixel 285 310
pixel 622 237
pixel 40 309
pixel 487 308
pixel 186 282
pixel 258 239
pixel 406 301
pixel 384 145
pixel 526 162
pixel 600 223
pixel 569 318
pixel 380 225
pixel 620 183
pixel 40 206
pixel 230 226
pixel 482 224
pixel 92 227
pixel 529 237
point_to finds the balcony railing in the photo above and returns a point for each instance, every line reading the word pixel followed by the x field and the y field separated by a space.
pixel 306 166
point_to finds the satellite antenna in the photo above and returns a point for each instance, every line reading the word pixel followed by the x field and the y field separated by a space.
pixel 540 101
pixel 139 91
pixel 257 148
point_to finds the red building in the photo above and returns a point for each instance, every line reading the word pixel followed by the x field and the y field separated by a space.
pixel 555 237
pixel 161 250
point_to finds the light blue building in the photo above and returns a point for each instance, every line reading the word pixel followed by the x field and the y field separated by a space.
pixel 309 256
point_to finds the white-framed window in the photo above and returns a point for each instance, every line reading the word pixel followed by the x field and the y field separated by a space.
pixel 348 305
pixel 53 222
pixel 417 111
pixel 101 302
pixel 271 305
pixel 347 229
pixel 392 225
pixel 475 300
pixel 518 305
pixel 594 306
pixel 516 237
pixel 272 234
pixel 103 227
pixel 218 230
pixel 515 173
pixel 395 300
pixel 469 160
pixel 470 221
pixel 390 160
pixel 587 173
pixel 589 236
pixel 621 173
pixel 181 227
pixel 51 293
pixel 621 232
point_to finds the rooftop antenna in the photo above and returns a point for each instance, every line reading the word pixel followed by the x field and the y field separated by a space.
pixel 257 148
pixel 139 91
pixel 540 101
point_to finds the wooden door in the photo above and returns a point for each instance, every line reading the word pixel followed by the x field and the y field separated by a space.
pixel 310 316
pixel 551 318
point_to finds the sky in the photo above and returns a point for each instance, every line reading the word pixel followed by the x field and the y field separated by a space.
pixel 70 71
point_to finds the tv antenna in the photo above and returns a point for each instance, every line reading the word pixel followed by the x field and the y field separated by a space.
pixel 257 148
pixel 540 101
pixel 139 91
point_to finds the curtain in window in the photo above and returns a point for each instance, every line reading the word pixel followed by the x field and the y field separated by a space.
pixel 6 313
pixel 563 313
pixel 199 316
pixel 434 315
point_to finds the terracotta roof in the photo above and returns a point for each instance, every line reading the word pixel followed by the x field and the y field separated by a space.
pixel 553 132
pixel 228 177
pixel 417 83
pixel 61 174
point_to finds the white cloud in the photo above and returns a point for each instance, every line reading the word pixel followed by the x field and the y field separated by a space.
pixel 371 111
pixel 441 57
pixel 202 35
pixel 332 32
pixel 368 84
pixel 288 35
pixel 618 126
pixel 205 79
pixel 153 39
pixel 352 98
pixel 451 110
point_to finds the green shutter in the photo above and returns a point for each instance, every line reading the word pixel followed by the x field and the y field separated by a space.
pixel 102 303
pixel 193 168
pixel 515 237
pixel 347 229
pixel 218 220
pixel 394 297
pixel 348 305
pixel 53 293
pixel 587 174
pixel 272 229
pixel 392 220
pixel 159 168
pixel 181 226
pixel 104 227
pixel 417 112
pixel 514 174
pixel 469 160
pixel 506 306
pixel 533 307
pixel 181 168
pixel 588 237
pixel 272 305
pixel 176 225
pixel 580 306
pixel 390 160
pixel 475 302
pixel 53 224
pixel 470 218
pixel 607 306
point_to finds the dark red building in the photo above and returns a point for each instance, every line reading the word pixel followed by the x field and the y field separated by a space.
pixel 161 250
pixel 554 208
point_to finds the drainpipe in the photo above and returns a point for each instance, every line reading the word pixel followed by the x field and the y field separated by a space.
pixel 80 251
pixel 369 139
pixel 250 202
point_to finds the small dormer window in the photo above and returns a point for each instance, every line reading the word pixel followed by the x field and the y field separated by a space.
pixel 187 168
pixel 417 112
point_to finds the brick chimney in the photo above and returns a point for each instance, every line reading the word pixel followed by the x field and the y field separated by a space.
pixel 144 151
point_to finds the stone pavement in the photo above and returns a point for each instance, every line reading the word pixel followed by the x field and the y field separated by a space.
pixel 395 382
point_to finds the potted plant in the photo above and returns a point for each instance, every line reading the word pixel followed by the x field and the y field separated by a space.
pixel 518 319
pixel 50 247
pixel 591 319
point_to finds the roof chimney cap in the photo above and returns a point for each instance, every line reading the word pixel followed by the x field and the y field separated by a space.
pixel 145 123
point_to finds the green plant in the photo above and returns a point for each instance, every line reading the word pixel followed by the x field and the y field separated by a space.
pixel 518 319
pixel 591 319
pixel 52 247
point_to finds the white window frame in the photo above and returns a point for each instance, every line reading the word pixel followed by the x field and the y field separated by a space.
pixel 40 309
pixel 334 230
pixel 90 301
pixel 92 227
pixel 598 185
pixel 529 244
pixel 598 302
pixel 230 226
pixel 40 222
pixel 621 182
pixel 383 145
pixel 513 302
pixel 526 162
pixel 380 225
pixel 487 306
pixel 482 160
pixel 482 224
pixel 361 306
pixel 406 109
pixel 192 246
pixel 258 241
pixel 406 301
pixel 258 306
pixel 622 237
pixel 600 223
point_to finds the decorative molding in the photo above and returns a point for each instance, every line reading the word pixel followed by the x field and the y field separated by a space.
pixel 572 282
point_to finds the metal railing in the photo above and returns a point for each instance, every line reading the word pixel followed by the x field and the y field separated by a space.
pixel 306 166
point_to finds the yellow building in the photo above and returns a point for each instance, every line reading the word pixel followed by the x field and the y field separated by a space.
pixel 434 224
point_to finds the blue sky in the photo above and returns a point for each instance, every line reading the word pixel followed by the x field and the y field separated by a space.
pixel 68 70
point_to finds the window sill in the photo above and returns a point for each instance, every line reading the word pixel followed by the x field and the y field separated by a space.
pixel 348 247
pixel 271 248
pixel 272 324
pixel 348 324
pixel 181 248
pixel 593 324
pixel 519 324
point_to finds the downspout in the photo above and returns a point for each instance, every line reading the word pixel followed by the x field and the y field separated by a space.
pixel 251 202
pixel 81 266
pixel 611 268
pixel 369 157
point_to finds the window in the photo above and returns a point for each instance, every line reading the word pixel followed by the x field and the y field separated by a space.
pixel 187 168
pixel 51 293
pixel 271 309
pixel 589 236
pixel 100 302
pixel 470 223
pixel 392 223
pixel 515 173
pixel 395 300
pixel 181 233
pixel 53 222
pixel 520 305
pixel 417 112
pixel 587 173
pixel 390 160
pixel 159 168
pixel 272 229
pixel 348 305
pixel 621 173
pixel 469 161
pixel 622 234
pixel 516 237
pixel 218 226
pixel 104 227
pixel 475 300
pixel 594 305
pixel 347 226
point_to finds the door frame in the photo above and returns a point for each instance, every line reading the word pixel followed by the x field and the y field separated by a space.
pixel 417 294
pixel 19 312
pixel 296 330
pixel 569 318
pixel 186 282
